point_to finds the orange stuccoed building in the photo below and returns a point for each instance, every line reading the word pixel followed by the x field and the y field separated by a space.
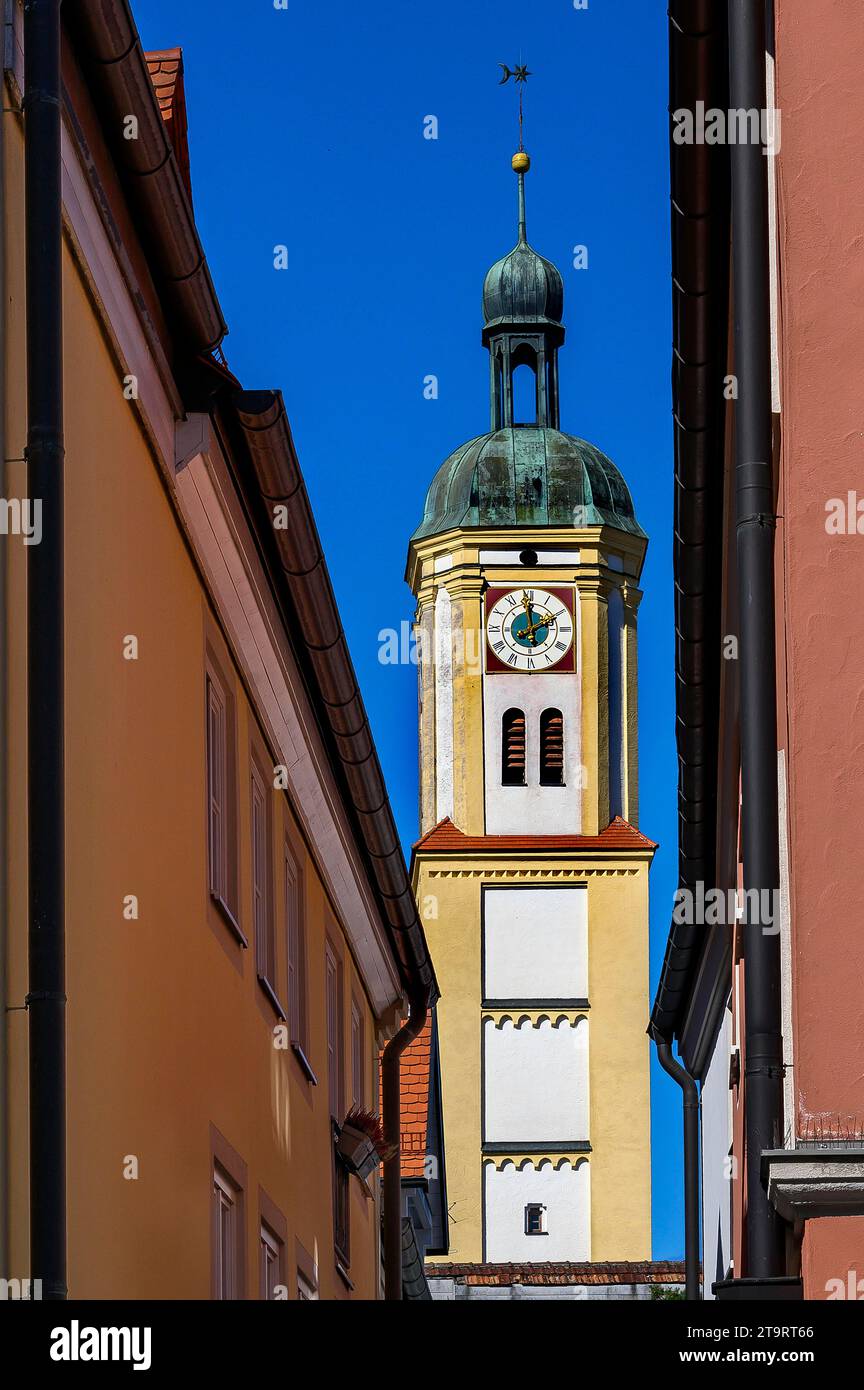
pixel 241 940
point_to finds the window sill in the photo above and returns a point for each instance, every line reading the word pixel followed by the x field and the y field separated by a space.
pixel 342 1271
pixel 272 997
pixel 304 1064
pixel 230 920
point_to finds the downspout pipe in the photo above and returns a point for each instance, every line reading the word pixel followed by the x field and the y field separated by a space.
pixel 690 1097
pixel 5 1271
pixel 763 1086
pixel 392 1115
pixel 46 1000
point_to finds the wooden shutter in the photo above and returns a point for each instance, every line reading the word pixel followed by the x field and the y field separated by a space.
pixel 513 748
pixel 292 918
pixel 334 1035
pixel 358 1058
pixel 217 764
pixel 552 748
pixel 264 944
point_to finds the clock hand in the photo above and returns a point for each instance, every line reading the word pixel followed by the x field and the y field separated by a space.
pixel 543 620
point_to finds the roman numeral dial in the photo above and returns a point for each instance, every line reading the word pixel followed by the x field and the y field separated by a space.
pixel 529 629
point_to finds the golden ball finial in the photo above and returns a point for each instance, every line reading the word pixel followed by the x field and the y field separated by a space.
pixel 521 163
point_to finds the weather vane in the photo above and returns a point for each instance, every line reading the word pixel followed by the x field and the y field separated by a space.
pixel 520 74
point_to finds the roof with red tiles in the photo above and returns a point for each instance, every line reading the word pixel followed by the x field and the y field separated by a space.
pixel 447 838
pixel 166 74
pixel 414 1086
pixel 645 1272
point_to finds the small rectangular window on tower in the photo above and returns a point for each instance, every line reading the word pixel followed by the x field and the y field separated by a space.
pixel 535 1219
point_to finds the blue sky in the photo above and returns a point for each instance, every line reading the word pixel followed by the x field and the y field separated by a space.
pixel 306 130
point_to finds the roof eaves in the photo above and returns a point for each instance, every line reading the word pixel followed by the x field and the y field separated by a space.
pixel 109 49
pixel 298 562
pixel 700 272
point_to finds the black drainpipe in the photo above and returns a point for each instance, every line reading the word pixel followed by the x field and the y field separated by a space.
pixel 763 1086
pixel 46 1000
pixel 690 1097
pixel 391 1105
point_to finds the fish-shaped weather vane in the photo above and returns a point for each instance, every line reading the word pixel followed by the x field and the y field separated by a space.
pixel 520 75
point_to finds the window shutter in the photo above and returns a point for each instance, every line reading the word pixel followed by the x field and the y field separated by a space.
pixel 259 880
pixel 513 748
pixel 293 953
pixel 216 779
pixel 334 1039
pixel 552 748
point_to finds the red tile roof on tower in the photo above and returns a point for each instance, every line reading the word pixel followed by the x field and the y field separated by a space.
pixel 446 838
pixel 414 1087
pixel 166 74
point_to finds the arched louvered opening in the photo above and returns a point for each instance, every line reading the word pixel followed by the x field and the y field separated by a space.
pixel 513 748
pixel 551 748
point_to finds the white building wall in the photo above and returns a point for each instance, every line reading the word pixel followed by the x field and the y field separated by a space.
pixel 716 1143
pixel 535 943
pixel 535 1081
pixel 565 1192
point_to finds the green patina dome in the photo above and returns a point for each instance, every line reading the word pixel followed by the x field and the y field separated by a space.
pixel 527 475
pixel 523 287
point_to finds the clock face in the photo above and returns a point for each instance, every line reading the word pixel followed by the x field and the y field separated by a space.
pixel 529 629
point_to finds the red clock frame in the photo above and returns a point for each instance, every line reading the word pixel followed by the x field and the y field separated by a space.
pixel 494 664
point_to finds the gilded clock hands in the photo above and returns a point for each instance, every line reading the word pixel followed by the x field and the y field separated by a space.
pixel 543 620
pixel 531 628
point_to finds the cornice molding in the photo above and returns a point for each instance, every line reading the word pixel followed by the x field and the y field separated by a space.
pixel 542 875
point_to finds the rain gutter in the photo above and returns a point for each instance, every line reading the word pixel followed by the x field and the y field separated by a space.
pixel 109 48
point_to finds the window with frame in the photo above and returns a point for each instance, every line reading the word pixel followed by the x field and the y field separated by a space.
pixel 221 797
pixel 535 1219
pixel 227 1236
pixel 307 1292
pixel 296 952
pixel 262 904
pixel 358 1056
pixel 271 1252
pixel 513 748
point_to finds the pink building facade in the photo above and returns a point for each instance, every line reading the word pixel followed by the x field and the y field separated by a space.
pixel 769 335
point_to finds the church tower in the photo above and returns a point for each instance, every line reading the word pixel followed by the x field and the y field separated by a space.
pixel 531 873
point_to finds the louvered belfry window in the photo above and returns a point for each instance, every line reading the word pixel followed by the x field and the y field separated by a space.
pixel 513 748
pixel 551 748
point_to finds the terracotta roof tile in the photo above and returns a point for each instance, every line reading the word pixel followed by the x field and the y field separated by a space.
pixel 643 1272
pixel 166 74
pixel 446 838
